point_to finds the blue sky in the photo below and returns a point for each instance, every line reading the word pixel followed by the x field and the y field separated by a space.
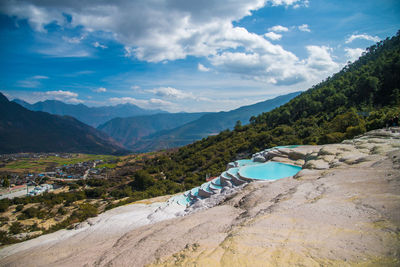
pixel 181 55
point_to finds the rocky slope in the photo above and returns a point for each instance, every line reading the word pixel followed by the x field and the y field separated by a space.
pixel 340 210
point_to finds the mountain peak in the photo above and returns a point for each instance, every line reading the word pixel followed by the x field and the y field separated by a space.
pixel 3 98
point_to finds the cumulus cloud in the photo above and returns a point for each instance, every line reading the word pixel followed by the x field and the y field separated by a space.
pixel 203 68
pixel 172 29
pixel 273 36
pixel 278 28
pixel 362 36
pixel 100 90
pixel 152 103
pixel 170 92
pixel 65 96
pixel 353 54
pixel 168 30
pixel 304 28
pixel 320 58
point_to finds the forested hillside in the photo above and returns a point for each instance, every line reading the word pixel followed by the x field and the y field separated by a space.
pixel 361 97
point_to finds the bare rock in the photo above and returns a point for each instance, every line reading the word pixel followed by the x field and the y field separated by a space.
pixel 307 174
pixel 296 155
pixel 316 164
pixel 259 158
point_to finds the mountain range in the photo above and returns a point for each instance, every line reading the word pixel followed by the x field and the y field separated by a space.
pixel 22 130
pixel 93 116
pixel 128 131
pixel 206 125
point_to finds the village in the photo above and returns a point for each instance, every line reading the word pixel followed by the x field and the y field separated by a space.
pixel 32 183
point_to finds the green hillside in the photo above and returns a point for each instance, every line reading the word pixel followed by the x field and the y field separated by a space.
pixel 361 97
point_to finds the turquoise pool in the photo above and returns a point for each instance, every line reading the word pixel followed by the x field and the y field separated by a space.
pixel 233 171
pixel 246 162
pixel 290 146
pixel 195 191
pixel 269 171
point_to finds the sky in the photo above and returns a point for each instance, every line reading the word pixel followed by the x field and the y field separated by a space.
pixel 181 55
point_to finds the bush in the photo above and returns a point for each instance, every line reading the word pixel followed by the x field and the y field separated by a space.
pixel 19 207
pixel 5 239
pixel 4 204
pixel 85 211
pixel 73 186
pixel 95 193
pixel 61 211
pixel 16 228
pixel 142 180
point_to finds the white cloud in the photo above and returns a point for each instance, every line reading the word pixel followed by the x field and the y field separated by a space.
pixel 295 3
pixel 74 40
pixel 203 68
pixel 135 87
pixel 362 36
pixel 60 95
pixel 154 32
pixel 169 92
pixel 32 82
pixel 304 28
pixel 40 77
pixel 100 90
pixel 320 59
pixel 97 44
pixel 152 103
pixel 353 54
pixel 28 83
pixel 273 36
pixel 278 28
pixel 172 29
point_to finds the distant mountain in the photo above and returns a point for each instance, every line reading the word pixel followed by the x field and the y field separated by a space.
pixel 22 130
pixel 208 124
pixel 93 116
pixel 128 131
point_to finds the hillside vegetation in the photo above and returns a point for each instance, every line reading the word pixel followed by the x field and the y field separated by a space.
pixel 364 95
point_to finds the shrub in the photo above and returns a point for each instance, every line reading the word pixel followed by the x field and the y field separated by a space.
pixel 142 180
pixel 85 211
pixel 19 207
pixel 16 228
pixel 4 204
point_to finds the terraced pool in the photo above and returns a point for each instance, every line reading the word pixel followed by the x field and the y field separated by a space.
pixel 268 171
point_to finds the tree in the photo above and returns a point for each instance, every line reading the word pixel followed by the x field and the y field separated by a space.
pixel 142 180
pixel 16 228
pixel 238 126
pixel 6 182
